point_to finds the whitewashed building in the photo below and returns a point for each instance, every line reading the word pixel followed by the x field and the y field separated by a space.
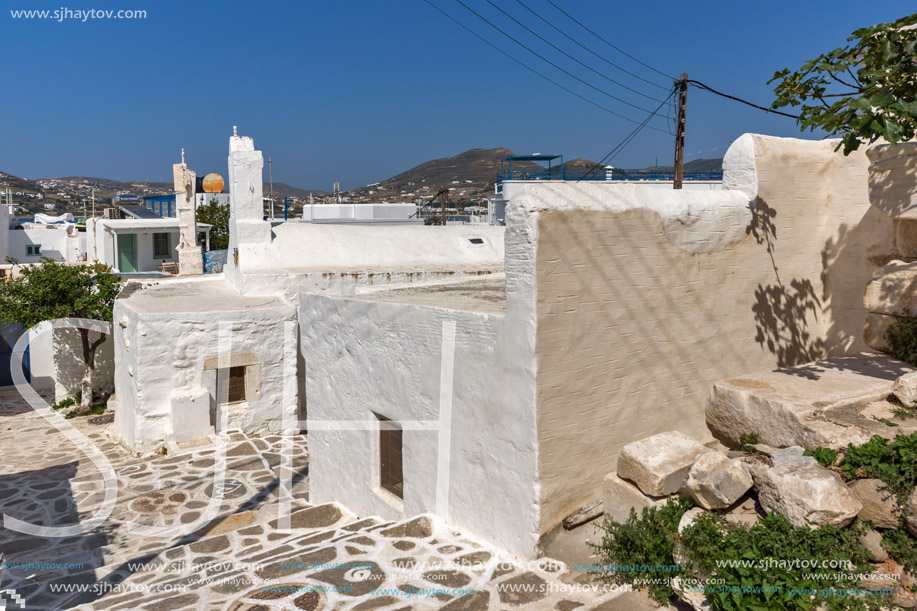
pixel 490 375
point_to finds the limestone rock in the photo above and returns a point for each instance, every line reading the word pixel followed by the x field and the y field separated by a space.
pixel 905 389
pixel 659 464
pixel 906 238
pixel 715 481
pixel 747 512
pixel 910 511
pixel 807 494
pixel 893 289
pixel 874 331
pixel 871 541
pixel 692 596
pixel 786 407
pixel 620 496
pixel 879 504
pixel 891 179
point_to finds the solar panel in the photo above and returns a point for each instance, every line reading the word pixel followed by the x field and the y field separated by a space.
pixel 139 212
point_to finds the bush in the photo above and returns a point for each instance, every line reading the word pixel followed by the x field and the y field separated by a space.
pixel 755 567
pixel 901 338
pixel 895 462
pixel 647 540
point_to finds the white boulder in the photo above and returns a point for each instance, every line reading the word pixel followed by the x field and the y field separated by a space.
pixel 659 464
pixel 806 493
pixel 905 389
pixel 620 496
pixel 715 481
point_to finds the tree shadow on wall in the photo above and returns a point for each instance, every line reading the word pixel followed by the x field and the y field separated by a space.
pixel 783 313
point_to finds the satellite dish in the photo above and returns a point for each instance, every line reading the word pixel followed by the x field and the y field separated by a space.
pixel 213 183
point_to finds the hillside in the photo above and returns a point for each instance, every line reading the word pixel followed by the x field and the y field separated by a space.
pixel 468 176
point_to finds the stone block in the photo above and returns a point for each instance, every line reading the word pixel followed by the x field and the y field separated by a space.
pixel 190 411
pixel 874 331
pixel 893 289
pixel 715 481
pixel 871 541
pixel 906 238
pixel 786 407
pixel 892 182
pixel 806 493
pixel 659 464
pixel 879 504
pixel 905 389
pixel 620 496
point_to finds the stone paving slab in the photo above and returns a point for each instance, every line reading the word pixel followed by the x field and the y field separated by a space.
pixel 245 559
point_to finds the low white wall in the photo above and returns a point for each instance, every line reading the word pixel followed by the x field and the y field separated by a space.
pixel 357 211
pixel 70 367
pixel 364 358
pixel 343 258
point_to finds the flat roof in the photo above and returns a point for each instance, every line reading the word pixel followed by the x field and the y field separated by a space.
pixel 196 295
pixel 536 157
pixel 481 294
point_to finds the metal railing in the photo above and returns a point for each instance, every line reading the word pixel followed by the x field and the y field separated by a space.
pixel 601 175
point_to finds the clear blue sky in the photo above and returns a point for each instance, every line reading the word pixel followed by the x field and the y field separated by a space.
pixel 358 91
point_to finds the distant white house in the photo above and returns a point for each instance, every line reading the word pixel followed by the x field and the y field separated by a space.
pixel 28 242
pixel 135 244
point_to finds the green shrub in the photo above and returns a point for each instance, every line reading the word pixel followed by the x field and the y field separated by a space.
pixel 648 539
pixel 761 568
pixel 747 439
pixel 895 462
pixel 824 456
pixel 765 576
pixel 901 546
pixel 901 338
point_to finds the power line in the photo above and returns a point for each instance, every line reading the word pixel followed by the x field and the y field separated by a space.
pixel 618 49
pixel 533 70
pixel 700 85
pixel 575 41
pixel 590 68
pixel 627 140
pixel 543 58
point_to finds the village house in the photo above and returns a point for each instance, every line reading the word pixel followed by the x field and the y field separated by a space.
pixel 492 378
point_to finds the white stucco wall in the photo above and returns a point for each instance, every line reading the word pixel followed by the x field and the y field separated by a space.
pixel 56 243
pixel 101 240
pixel 624 304
pixel 365 358
pixel 646 298
pixel 165 335
pixel 344 258
pixel 357 211
pixel 69 366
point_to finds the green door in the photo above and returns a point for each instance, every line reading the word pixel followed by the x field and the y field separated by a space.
pixel 127 252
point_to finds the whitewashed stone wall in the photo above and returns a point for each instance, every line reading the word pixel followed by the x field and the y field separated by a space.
pixel 643 303
pixel 365 358
pixel 161 351
pixel 624 304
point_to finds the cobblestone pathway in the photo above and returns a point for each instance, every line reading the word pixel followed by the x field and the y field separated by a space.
pixel 159 549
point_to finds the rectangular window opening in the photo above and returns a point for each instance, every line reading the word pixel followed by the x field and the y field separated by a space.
pixel 236 390
pixel 391 472
pixel 33 250
pixel 162 246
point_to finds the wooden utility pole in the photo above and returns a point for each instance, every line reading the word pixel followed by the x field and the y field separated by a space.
pixel 270 173
pixel 680 133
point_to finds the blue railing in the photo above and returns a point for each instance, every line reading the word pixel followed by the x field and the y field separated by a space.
pixel 600 174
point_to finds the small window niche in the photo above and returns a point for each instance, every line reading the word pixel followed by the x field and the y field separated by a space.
pixel 235 385
pixel 391 457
